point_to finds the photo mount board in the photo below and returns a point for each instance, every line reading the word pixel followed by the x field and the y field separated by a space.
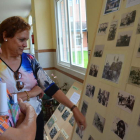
pixel 64 125
pixel 130 60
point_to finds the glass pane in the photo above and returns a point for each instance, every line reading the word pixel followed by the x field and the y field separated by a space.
pixel 78 32
pixel 63 31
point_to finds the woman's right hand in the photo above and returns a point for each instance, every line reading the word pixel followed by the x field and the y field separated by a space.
pixel 36 91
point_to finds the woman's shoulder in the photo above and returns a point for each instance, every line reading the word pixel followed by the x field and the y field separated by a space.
pixel 28 55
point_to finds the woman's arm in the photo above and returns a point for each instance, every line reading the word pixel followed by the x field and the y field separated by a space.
pixel 32 93
pixel 79 117
pixel 27 129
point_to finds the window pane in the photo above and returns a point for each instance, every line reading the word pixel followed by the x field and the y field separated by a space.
pixel 63 31
pixel 78 32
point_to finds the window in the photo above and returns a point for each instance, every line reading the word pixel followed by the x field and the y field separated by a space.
pixel 72 33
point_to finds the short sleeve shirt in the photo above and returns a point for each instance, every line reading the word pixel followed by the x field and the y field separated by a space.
pixel 32 74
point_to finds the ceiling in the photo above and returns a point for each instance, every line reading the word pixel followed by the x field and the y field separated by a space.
pixel 14 8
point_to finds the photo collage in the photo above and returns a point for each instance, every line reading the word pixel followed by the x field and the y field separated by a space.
pixel 119 31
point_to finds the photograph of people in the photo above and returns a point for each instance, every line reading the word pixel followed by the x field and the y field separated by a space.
pixel 25 77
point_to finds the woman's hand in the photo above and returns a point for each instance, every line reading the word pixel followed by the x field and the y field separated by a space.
pixel 36 91
pixel 24 107
pixel 79 118
pixel 21 119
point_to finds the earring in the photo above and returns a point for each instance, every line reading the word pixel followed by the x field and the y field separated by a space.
pixel 5 39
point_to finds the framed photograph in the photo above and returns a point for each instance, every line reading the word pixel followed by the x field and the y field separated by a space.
pixel 60 137
pixel 138 27
pixel 124 39
pixel 98 51
pixel 113 66
pixel 99 122
pixel 53 132
pixel 139 121
pixel 102 28
pixel 103 97
pixel 128 19
pixel 90 90
pixel 65 115
pixel 125 101
pixel 134 77
pixel 120 128
pixel 79 132
pixel 72 120
pixel 90 138
pixel 50 122
pixel 93 70
pixel 112 6
pixel 84 108
pixel 61 107
pixel 112 30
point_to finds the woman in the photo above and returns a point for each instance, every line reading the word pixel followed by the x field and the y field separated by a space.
pixel 23 74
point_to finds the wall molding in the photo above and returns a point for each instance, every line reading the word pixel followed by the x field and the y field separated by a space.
pixel 45 50
pixel 27 49
pixel 65 73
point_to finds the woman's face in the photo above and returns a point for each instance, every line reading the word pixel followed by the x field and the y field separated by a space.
pixel 17 44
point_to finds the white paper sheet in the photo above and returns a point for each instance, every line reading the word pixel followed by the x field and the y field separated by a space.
pixel 132 3
pixel 75 98
pixel 3 100
pixel 64 133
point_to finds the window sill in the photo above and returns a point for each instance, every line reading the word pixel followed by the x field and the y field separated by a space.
pixel 71 71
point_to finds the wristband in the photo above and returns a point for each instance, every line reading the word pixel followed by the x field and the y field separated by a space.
pixel 73 107
pixel 28 97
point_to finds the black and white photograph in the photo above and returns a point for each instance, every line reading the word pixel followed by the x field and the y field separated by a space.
pixel 79 132
pixel 98 51
pixel 124 39
pixel 72 120
pixel 112 30
pixel 50 123
pixel 128 19
pixel 53 132
pixel 103 28
pixel 60 137
pixel 139 121
pixel 112 6
pixel 90 138
pixel 90 90
pixel 103 97
pixel 138 27
pixel 125 101
pixel 93 70
pixel 84 108
pixel 99 122
pixel 65 115
pixel 120 128
pixel 131 3
pixel 61 107
pixel 134 76
pixel 113 67
pixel 138 52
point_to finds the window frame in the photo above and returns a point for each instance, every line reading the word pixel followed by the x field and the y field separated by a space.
pixel 63 64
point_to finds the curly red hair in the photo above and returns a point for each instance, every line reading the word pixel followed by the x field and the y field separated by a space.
pixel 11 26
